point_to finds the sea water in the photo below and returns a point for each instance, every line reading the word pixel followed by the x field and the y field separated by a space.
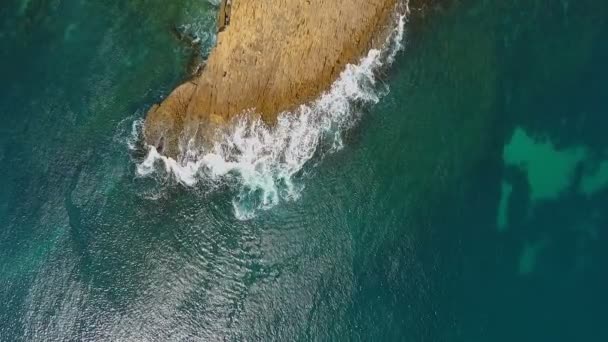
pixel 463 198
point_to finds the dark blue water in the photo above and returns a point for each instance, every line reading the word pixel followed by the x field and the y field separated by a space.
pixel 469 204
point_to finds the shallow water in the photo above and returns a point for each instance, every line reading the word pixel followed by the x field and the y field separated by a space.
pixel 468 204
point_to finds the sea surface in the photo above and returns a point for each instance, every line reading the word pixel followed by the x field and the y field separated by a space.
pixel 457 192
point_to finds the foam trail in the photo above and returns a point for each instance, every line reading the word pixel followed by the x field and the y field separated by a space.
pixel 266 161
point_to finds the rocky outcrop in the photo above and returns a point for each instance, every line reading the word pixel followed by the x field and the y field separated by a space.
pixel 270 56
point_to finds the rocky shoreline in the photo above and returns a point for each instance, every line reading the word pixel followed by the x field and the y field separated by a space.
pixel 269 57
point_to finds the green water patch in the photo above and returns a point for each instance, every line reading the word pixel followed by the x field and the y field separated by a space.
pixel 595 180
pixel 549 169
pixel 528 258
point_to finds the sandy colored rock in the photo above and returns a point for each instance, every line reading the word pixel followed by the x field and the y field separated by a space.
pixel 270 57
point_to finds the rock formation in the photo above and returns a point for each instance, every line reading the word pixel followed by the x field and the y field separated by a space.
pixel 270 56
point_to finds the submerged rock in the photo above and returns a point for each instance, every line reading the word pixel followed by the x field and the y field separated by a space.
pixel 270 57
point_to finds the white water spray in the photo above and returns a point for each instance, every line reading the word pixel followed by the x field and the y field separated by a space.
pixel 266 161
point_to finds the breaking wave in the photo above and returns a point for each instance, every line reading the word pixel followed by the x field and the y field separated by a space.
pixel 264 164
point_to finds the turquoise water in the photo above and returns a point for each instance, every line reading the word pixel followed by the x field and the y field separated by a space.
pixel 468 204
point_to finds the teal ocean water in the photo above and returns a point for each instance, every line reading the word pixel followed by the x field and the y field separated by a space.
pixel 464 199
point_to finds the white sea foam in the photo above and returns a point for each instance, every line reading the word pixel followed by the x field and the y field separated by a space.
pixel 264 163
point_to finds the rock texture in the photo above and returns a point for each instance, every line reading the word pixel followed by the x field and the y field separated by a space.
pixel 270 56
